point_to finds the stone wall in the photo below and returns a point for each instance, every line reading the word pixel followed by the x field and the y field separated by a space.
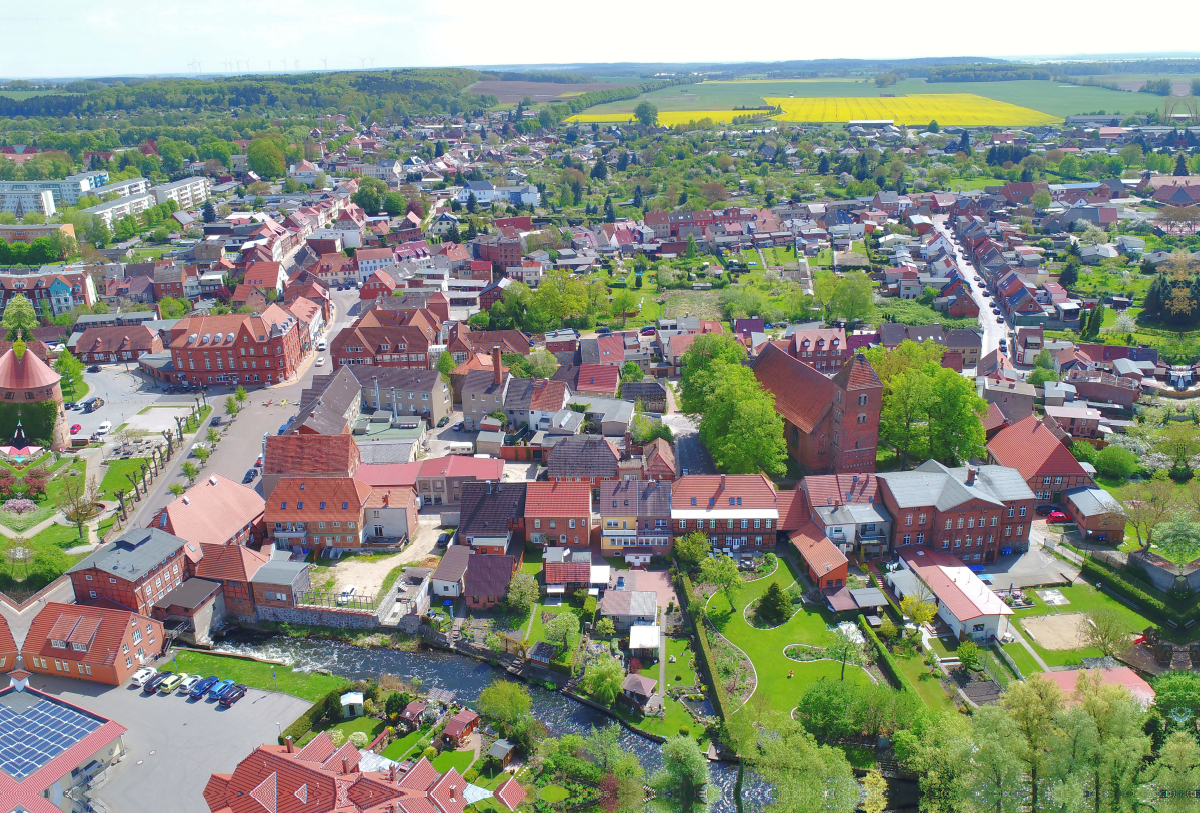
pixel 1162 573
pixel 320 616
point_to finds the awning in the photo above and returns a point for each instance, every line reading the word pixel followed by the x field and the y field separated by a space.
pixel 556 589
pixel 643 636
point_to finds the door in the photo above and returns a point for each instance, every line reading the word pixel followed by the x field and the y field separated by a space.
pixel 1056 497
pixel 379 530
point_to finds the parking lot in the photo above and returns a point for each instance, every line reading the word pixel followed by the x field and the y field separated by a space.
pixel 174 744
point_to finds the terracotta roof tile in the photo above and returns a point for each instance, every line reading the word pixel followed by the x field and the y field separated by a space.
pixel 857 374
pixel 754 490
pixel 818 552
pixel 311 454
pixel 28 372
pixel 229 563
pixel 312 499
pixel 802 395
pixel 558 499
pixel 1032 449
pixel 510 793
pixel 111 625
pixel 213 511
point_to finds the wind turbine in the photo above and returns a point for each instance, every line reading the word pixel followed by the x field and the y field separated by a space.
pixel 324 63
pixel 295 64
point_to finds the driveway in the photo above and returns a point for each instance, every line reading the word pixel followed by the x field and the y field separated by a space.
pixel 173 744
pixel 657 580
pixel 1037 567
pixel 690 454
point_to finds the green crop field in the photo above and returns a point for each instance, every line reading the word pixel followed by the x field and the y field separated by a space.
pixel 1049 97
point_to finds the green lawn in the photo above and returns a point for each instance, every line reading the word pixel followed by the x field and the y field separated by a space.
pixel 308 686
pixel 533 562
pixel 116 480
pixel 1022 658
pixel 459 760
pixel 928 685
pixel 679 647
pixel 368 725
pixel 668 726
pixel 74 390
pixel 765 647
pixel 396 749
pixel 1083 597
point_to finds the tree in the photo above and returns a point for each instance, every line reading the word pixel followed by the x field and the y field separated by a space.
pixel 1176 773
pixel 1147 505
pixel 541 363
pixel 1041 200
pixel 523 592
pixel 775 606
pixel 394 705
pixel 393 203
pixel 560 296
pixel 209 212
pixel 369 198
pixel 231 406
pixel 77 501
pixel 241 396
pixel 69 367
pixel 721 572
pixel 1106 629
pixel 623 301
pixel 692 549
pixel 605 626
pixel 446 365
pixel 1181 167
pixel 172 308
pixel 853 297
pixel 265 158
pixel 1033 707
pixel 968 654
pixel 176 489
pixel 190 471
pixel 1118 462
pixel 603 678
pixel 202 454
pixel 683 777
pixel 803 775
pixel 646 114
pixel 918 608
pixel 845 648
pixel 1040 376
pixel 505 701
pixel 630 371
pixel 333 708
pixel 563 629
pixel 19 315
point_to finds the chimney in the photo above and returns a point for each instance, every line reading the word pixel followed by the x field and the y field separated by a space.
pixel 345 764
pixel 287 741
pixel 392 772
pixel 970 475
pixel 722 482
pixel 496 374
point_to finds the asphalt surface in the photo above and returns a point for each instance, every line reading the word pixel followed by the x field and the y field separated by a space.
pixel 993 331
pixel 174 744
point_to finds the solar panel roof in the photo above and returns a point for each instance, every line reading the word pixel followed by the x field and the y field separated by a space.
pixel 32 735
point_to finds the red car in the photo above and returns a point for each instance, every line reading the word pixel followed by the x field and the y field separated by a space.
pixel 75 428
pixel 1056 516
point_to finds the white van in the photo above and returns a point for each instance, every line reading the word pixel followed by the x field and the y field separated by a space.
pixel 347 594
pixel 321 345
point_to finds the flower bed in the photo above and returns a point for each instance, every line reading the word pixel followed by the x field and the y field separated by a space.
pixel 19 505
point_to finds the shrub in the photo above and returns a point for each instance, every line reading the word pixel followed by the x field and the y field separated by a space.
pixel 705 656
pixel 635 665
pixel 886 662
pixel 887 630
pixel 471 775
pixel 430 752
pixel 685 730
pixel 338 736
pixel 360 739
pixel 20 506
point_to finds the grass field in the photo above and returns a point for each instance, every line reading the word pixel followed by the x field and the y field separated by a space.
pixel 1083 597
pixel 1045 96
pixel 29 94
pixel 459 760
pixel 945 108
pixel 668 118
pixel 308 686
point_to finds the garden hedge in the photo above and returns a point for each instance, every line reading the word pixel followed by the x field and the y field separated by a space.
pixel 1150 606
pixel 720 698
pixel 887 663
pixel 305 722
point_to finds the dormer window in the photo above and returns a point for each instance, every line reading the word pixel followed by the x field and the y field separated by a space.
pixel 58 644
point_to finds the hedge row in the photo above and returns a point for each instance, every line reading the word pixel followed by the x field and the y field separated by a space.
pixel 720 698
pixel 1147 604
pixel 887 663
pixel 305 722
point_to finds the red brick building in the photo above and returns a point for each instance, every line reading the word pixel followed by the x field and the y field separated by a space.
pixel 101 644
pixel 830 424
pixel 379 283
pixel 215 511
pixel 8 647
pixel 136 570
pixel 1045 463
pixel 386 339
pixel 238 348
pixel 734 511
pixel 232 566
pixel 100 345
pixel 558 514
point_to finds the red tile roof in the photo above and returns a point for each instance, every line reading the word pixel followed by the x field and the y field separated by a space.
pixel 821 555
pixel 802 395
pixel 115 339
pixel 313 499
pixel 1032 449
pixel 793 509
pixel 106 638
pixel 548 396
pixel 659 454
pixel 214 511
pixel 311 454
pixel 832 489
pixel 994 419
pixel 235 563
pixel 462 466
pixel 558 499
pixel 755 490
pixel 8 646
pixel 510 793
pixel 857 374
pixel 27 373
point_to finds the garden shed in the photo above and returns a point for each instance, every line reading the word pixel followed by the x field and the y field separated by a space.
pixel 352 704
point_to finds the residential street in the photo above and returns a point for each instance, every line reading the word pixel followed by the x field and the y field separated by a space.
pixel 993 331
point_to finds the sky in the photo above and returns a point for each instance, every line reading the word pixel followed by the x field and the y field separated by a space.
pixel 74 38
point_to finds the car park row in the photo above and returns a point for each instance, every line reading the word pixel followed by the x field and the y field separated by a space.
pixel 225 692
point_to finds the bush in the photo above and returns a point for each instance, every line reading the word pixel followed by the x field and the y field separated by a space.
pixel 705 656
pixel 430 752
pixel 685 730
pixel 1114 461
pixel 471 775
pixel 337 736
pixel 305 722
pixel 360 739
pixel 886 662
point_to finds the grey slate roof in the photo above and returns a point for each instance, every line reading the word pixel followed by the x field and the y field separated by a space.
pixel 931 483
pixel 856 513
pixel 399 377
pixel 582 456
pixel 327 401
pixel 629 602
pixel 1090 501
pixel 278 571
pixel 453 564
pixel 646 390
pixel 488 506
pixel 133 553
pixel 386 451
pixel 191 594
pixel 639 498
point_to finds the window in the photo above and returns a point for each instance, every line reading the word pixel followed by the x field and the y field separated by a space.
pixel 862 418
pixel 571 523
pixel 682 524
pixel 1022 511
pixel 908 519
pixel 970 522
pixel 920 539
pixel 745 524
pixel 921 519
pixel 1008 531
pixel 862 400
pixel 1045 481
pixel 907 539
pixel 960 523
pixel 1058 481
pixel 1011 510
pixel 993 523
pixel 537 523
pixel 1019 530
pixel 947 525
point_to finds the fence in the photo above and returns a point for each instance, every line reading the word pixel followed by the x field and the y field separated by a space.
pixel 333 600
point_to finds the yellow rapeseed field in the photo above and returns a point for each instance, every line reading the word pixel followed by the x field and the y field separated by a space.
pixel 945 108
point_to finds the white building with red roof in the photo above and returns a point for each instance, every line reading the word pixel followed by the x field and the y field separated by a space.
pixel 964 602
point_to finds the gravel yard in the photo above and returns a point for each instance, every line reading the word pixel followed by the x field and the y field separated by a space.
pixel 368 572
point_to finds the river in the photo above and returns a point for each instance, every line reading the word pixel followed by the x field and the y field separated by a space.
pixel 468 677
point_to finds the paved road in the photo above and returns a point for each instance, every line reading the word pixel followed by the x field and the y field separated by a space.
pixel 242 440
pixel 993 332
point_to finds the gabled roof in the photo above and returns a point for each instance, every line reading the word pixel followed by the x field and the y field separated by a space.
pixel 802 395
pixel 640 498
pixel 311 454
pixel 103 627
pixel 821 555
pixel 487 507
pixel 212 511
pixel 133 554
pixel 230 562
pixel 1032 449
pixel 584 456
pixel 488 575
pixel 313 499
pixel 558 499
pixel 748 491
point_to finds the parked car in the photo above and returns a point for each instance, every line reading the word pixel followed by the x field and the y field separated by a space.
pixel 347 594
pixel 232 695
pixel 202 687
pixel 457 427
pixel 70 405
pixel 142 675
pixel 151 685
pixel 445 420
pixel 1045 510
pixel 996 311
pixel 95 368
pixel 443 539
pixel 190 681
pixel 999 320
pixel 250 475
pixel 258 462
pixel 75 428
pixel 647 331
pixel 104 428
pixel 1057 516
pixel 217 421
pixel 219 688
pixel 320 361
pixel 172 683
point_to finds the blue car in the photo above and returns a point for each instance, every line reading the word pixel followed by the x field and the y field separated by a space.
pixel 201 688
pixel 219 688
